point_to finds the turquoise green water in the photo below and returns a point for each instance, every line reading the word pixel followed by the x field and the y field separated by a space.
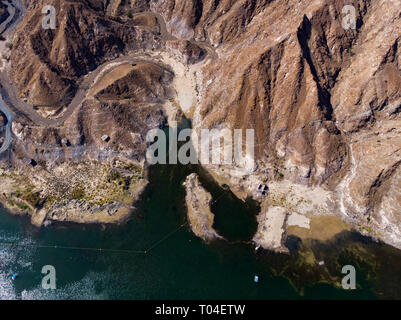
pixel 182 266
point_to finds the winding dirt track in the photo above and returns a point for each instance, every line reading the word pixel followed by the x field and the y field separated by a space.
pixel 11 11
pixel 10 118
pixel 13 102
pixel 5 28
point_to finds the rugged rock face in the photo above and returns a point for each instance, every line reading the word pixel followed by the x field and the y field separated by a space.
pixel 84 38
pixel 324 101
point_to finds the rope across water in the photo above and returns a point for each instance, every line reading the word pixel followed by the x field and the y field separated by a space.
pixel 127 251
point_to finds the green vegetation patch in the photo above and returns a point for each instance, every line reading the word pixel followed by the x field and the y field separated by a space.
pixel 33 198
pixel 78 193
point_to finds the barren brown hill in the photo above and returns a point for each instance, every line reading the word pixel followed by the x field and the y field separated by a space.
pixel 84 38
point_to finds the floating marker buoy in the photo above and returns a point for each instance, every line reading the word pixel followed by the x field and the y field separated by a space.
pixel 256 279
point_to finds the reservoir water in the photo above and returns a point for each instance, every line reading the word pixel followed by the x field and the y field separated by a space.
pixel 182 266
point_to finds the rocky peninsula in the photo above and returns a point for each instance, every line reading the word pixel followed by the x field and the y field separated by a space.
pixel 198 202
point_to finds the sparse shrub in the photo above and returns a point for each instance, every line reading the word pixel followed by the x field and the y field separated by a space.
pixel 23 206
pixel 114 175
pixel 33 198
pixel 78 193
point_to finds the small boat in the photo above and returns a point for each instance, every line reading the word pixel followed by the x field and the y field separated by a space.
pixel 14 276
pixel 256 279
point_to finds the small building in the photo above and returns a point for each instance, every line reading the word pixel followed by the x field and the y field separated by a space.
pixel 262 189
pixel 105 138
pixel 65 142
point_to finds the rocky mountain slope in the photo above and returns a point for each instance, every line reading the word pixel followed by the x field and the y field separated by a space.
pixel 324 101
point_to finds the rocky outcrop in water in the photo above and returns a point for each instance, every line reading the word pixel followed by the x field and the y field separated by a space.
pixel 198 202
